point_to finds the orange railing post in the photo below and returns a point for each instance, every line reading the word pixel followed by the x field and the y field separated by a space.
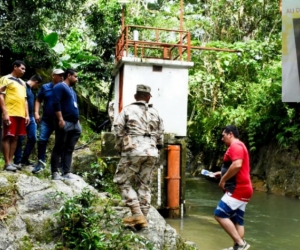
pixel 126 41
pixel 189 46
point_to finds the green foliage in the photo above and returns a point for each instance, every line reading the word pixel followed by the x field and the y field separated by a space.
pixel 51 39
pixel 8 195
pixel 101 178
pixel 24 23
pixel 244 90
pixel 88 135
pixel 26 243
pixel 88 224
pixel 89 47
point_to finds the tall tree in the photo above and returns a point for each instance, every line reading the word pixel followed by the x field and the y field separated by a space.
pixel 25 23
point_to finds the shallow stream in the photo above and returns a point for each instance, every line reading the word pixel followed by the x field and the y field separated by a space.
pixel 272 222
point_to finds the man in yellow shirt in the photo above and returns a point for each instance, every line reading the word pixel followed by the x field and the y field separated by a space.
pixel 15 115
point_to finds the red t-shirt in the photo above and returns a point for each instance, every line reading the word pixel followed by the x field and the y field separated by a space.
pixel 239 186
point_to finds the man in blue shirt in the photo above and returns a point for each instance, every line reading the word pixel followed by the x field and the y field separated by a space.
pixel 47 121
pixel 20 160
pixel 67 126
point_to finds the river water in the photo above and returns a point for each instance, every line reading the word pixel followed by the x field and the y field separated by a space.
pixel 272 222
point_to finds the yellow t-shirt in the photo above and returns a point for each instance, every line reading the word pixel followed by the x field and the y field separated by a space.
pixel 15 95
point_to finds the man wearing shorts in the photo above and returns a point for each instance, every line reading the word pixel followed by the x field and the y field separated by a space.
pixel 15 115
pixel 236 183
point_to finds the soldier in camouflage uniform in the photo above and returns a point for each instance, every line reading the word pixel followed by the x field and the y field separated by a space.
pixel 139 135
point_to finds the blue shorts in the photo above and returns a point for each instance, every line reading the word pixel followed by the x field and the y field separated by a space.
pixel 231 208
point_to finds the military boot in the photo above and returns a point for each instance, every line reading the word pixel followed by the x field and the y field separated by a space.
pixel 137 218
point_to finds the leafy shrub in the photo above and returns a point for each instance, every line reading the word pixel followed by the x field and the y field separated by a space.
pixel 86 223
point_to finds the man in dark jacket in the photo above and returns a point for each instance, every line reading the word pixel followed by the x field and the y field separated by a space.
pixel 67 126
pixel 47 121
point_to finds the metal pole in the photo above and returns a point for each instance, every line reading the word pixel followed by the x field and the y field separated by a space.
pixel 216 49
pixel 181 14
pixel 122 29
pixel 181 28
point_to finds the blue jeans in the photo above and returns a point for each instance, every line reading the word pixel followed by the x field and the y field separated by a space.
pixel 46 129
pixel 65 140
pixel 31 139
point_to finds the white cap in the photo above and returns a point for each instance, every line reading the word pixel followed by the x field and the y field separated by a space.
pixel 58 72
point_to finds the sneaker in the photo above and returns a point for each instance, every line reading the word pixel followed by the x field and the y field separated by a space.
pixel 10 167
pixel 17 166
pixel 70 176
pixel 229 248
pixel 245 246
pixel 43 163
pixel 56 176
pixel 37 168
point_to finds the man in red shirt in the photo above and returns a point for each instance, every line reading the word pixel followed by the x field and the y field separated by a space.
pixel 236 183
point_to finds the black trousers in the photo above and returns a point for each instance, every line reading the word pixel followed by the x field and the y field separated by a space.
pixel 65 140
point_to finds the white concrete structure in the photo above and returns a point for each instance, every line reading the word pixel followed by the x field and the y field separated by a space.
pixel 169 88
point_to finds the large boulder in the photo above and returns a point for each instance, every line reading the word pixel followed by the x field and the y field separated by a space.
pixel 28 206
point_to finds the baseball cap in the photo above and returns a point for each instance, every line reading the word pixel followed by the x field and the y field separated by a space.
pixel 57 72
pixel 143 88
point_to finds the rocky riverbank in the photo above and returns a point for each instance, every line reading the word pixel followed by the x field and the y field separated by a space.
pixel 28 206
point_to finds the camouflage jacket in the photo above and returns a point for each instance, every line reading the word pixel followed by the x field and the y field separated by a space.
pixel 138 129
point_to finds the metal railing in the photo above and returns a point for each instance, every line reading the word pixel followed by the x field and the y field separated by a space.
pixel 149 42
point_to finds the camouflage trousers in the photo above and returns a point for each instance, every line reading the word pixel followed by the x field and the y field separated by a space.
pixel 133 177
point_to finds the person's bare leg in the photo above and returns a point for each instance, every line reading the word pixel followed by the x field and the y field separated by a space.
pixel 13 146
pixel 230 228
pixel 240 229
pixel 6 149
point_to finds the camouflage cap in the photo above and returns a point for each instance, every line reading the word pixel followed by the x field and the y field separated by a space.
pixel 143 88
